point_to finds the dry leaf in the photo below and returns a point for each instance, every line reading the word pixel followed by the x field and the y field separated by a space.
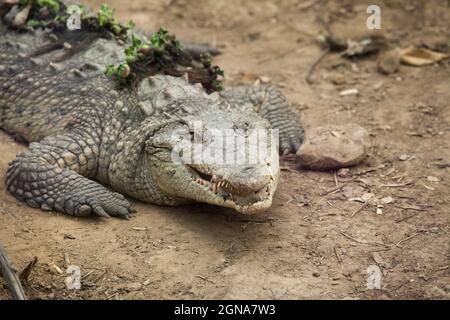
pixel 420 56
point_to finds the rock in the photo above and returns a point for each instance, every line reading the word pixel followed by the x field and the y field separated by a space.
pixel 349 92
pixel 379 211
pixel 265 79
pixel 406 157
pixel 387 200
pixel 389 62
pixel 334 146
pixel 22 16
pixel 338 79
pixel 134 286
pixel 343 172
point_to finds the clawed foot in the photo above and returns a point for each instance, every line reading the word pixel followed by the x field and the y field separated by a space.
pixel 290 143
pixel 106 204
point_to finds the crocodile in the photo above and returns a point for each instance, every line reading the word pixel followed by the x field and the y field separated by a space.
pixel 93 142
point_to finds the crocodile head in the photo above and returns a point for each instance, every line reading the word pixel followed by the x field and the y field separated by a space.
pixel 212 153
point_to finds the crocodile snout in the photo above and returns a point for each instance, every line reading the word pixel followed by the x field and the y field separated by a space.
pixel 247 179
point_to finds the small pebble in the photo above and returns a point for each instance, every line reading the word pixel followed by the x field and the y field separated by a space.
pixel 349 92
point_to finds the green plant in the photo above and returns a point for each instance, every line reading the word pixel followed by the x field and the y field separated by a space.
pixel 161 38
pixel 139 49
pixel 106 20
pixel 105 15
pixel 121 71
pixel 33 23
pixel 53 5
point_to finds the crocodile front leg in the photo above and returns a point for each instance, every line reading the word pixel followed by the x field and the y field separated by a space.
pixel 52 176
pixel 271 104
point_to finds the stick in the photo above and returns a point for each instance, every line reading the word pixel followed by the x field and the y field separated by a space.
pixel 331 190
pixel 25 274
pixel 333 44
pixel 406 239
pixel 362 241
pixel 10 276
pixel 360 208
pixel 338 257
pixel 311 69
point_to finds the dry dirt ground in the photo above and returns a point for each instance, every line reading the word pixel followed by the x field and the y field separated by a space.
pixel 308 245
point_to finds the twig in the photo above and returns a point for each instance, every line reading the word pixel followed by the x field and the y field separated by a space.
pixel 311 69
pixel 406 218
pixel 336 181
pixel 25 274
pixel 406 239
pixel 338 257
pixel 327 214
pixel 11 277
pixel 204 278
pixel 332 43
pixel 395 185
pixel 331 190
pixel 413 207
pixel 360 208
pixel 268 220
pixel 371 169
pixel 288 169
pixel 100 276
pixel 362 241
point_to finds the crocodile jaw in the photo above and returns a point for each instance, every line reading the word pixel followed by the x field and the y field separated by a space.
pixel 218 191
pixel 218 185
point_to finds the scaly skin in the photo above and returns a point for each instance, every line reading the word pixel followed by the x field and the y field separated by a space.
pixel 83 127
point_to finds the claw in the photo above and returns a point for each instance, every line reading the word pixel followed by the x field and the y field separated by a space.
pixel 100 212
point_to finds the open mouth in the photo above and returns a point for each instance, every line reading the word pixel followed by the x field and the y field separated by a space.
pixel 225 194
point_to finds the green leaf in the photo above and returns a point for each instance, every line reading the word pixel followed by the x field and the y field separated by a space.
pixel 123 71
pixel 33 23
pixel 110 70
pixel 178 45
pixel 131 24
pixel 136 41
pixel 219 71
pixel 105 15
pixel 159 39
pixel 53 5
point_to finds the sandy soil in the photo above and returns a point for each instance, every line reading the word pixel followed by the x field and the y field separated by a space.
pixel 308 245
